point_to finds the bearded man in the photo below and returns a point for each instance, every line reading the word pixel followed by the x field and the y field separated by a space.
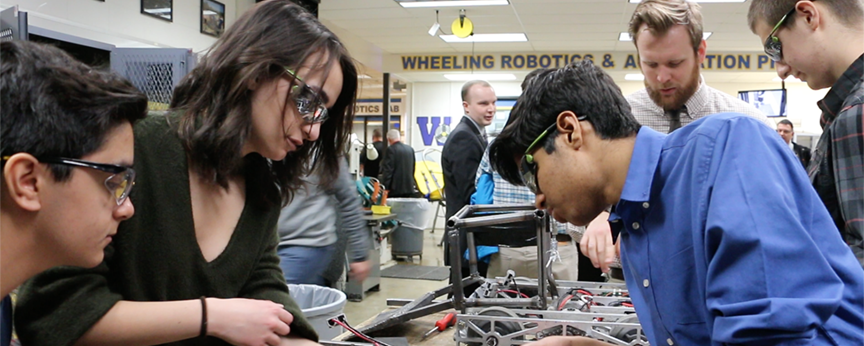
pixel 668 38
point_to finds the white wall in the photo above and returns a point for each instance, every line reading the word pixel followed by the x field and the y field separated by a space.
pixel 365 53
pixel 443 99
pixel 120 23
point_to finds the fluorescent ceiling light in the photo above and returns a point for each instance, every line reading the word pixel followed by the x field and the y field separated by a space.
pixel 482 76
pixel 634 77
pixel 703 1
pixel 625 36
pixel 789 79
pixel 453 3
pixel 364 76
pixel 520 37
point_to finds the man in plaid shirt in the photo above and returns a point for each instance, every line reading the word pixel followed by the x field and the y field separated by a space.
pixel 820 42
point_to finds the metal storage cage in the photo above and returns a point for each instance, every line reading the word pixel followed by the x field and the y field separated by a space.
pixel 13 24
pixel 154 71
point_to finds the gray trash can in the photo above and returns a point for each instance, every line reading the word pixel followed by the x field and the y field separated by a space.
pixel 319 304
pixel 413 212
pixel 406 241
pixel 413 217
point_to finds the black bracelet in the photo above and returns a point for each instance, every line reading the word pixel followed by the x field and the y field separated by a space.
pixel 203 317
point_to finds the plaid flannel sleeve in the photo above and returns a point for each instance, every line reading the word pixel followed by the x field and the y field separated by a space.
pixel 848 161
pixel 484 167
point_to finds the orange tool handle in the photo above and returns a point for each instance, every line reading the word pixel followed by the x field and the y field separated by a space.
pixel 376 189
pixel 447 321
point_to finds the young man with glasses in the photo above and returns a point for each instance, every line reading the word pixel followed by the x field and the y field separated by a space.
pixel 67 149
pixel 720 240
pixel 822 43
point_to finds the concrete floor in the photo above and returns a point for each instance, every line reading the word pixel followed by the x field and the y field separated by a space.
pixel 375 302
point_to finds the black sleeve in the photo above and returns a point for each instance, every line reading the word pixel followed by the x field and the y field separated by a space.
pixel 67 301
pixel 266 282
pixel 465 159
pixel 386 176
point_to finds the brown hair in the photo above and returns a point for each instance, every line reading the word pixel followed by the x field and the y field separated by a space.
pixel 849 12
pixel 662 15
pixel 467 87
pixel 216 103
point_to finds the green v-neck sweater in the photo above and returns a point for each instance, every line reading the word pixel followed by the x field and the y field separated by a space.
pixel 155 256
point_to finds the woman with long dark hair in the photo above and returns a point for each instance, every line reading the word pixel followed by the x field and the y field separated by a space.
pixel 197 264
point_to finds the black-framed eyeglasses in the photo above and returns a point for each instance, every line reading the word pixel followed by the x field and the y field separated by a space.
pixel 773 47
pixel 308 101
pixel 119 184
pixel 528 168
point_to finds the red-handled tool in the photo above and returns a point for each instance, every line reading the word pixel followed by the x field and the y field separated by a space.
pixel 442 324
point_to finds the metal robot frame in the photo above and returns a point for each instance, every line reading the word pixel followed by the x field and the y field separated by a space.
pixel 495 320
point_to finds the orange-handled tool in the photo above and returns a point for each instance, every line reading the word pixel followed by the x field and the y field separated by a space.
pixel 442 324
pixel 376 188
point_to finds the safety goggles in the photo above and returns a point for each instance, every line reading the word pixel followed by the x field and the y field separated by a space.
pixel 528 168
pixel 773 47
pixel 308 101
pixel 119 184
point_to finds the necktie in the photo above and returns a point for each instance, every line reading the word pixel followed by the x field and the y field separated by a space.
pixel 674 120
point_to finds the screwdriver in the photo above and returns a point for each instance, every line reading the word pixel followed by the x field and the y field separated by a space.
pixel 442 324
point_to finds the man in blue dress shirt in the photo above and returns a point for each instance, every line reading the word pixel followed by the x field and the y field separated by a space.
pixel 724 240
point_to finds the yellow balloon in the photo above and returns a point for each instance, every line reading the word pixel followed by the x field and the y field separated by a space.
pixel 462 29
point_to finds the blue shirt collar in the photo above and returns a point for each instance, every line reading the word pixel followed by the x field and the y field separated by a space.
pixel 643 164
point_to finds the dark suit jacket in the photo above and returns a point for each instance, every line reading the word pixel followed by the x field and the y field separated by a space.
pixel 460 157
pixel 397 171
pixel 803 154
